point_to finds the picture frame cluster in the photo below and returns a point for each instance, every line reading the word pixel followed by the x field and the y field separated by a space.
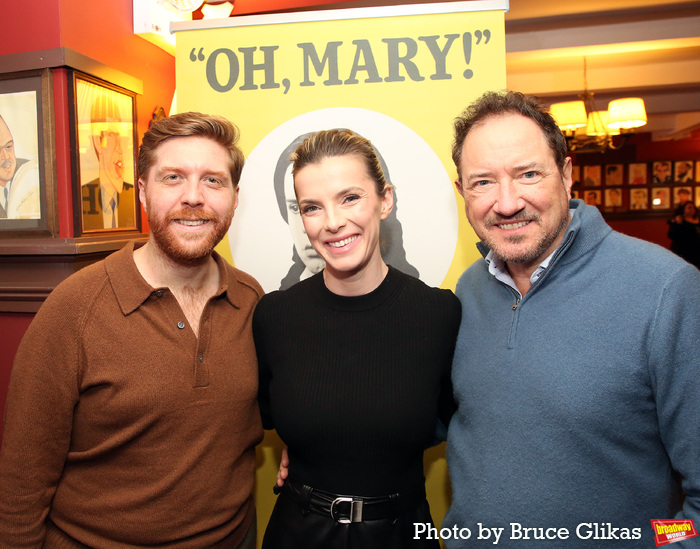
pixel 638 188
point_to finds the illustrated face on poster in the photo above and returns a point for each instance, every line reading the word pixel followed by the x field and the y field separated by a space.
pixel 289 209
pixel 418 238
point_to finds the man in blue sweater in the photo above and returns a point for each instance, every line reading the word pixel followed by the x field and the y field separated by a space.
pixel 578 360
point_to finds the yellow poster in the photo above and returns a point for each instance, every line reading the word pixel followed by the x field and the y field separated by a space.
pixel 396 75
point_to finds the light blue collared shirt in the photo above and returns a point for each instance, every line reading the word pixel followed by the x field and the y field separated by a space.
pixel 499 269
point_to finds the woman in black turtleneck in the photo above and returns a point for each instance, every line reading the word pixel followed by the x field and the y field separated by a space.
pixel 354 366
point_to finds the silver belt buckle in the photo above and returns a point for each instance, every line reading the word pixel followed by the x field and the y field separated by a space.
pixel 355 514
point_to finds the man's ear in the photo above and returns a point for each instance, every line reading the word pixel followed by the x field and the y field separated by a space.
pixel 567 177
pixel 458 184
pixel 142 194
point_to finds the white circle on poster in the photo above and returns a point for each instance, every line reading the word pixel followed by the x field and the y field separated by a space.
pixel 425 227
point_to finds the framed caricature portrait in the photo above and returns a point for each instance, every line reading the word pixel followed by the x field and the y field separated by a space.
pixel 661 198
pixel 105 138
pixel 637 173
pixel 683 172
pixel 591 197
pixel 681 195
pixel 576 175
pixel 613 197
pixel 27 183
pixel 639 199
pixel 592 176
pixel 661 173
pixel 613 175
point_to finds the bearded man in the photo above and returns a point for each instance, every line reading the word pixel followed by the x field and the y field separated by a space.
pixel 576 365
pixel 132 416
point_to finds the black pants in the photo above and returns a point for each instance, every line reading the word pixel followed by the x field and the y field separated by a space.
pixel 292 528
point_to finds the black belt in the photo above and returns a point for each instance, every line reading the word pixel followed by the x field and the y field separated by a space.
pixel 347 509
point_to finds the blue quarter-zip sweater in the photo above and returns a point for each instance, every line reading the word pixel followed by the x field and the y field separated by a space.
pixel 579 407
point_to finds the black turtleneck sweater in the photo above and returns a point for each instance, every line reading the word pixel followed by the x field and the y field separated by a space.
pixel 354 385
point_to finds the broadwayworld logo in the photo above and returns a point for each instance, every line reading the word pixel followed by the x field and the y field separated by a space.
pixel 670 531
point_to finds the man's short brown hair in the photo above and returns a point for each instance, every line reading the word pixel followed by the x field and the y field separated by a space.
pixel 192 124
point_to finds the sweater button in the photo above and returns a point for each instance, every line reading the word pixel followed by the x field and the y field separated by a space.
pixel 159 293
pixel 181 325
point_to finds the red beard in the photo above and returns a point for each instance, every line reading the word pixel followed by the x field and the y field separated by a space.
pixel 187 249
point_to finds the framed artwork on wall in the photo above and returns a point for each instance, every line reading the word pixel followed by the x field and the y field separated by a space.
pixel 637 195
pixel 591 197
pixel 681 195
pixel 637 173
pixel 683 172
pixel 27 180
pixel 661 198
pixel 104 136
pixel 613 175
pixel 661 173
pixel 639 199
pixel 613 197
pixel 576 175
pixel 592 176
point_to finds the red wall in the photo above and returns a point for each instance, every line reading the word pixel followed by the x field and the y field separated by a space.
pixel 29 25
pixel 102 31
pixel 654 230
pixel 12 328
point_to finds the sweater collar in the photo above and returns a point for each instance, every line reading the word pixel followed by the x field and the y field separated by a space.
pixel 387 288
pixel 132 290
pixel 587 230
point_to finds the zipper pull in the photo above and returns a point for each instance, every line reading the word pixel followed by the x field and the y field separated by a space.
pixel 517 302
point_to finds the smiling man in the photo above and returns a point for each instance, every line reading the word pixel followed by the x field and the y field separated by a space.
pixel 576 364
pixel 132 416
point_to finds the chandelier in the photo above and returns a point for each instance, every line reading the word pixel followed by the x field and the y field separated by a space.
pixel 588 129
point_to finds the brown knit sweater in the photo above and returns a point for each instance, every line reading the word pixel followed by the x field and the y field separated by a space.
pixel 122 428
